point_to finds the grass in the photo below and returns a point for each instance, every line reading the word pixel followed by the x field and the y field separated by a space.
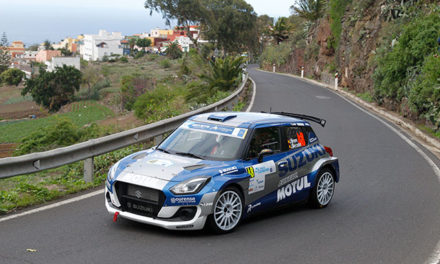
pixel 82 113
pixel 365 96
pixel 26 190
pixel 18 99
pixel 429 131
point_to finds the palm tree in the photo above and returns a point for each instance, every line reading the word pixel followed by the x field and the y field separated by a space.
pixel 281 30
pixel 311 10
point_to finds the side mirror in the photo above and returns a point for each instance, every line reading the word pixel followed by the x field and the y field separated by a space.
pixel 264 152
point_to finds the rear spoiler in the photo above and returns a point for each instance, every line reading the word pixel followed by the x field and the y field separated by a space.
pixel 318 120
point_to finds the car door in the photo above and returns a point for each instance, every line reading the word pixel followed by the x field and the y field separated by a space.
pixel 294 168
pixel 263 176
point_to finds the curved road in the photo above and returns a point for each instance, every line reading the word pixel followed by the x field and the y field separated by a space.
pixel 385 210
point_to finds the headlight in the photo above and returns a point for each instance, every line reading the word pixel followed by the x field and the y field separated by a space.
pixel 190 186
pixel 112 171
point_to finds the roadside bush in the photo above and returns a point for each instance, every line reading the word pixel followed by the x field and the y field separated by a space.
pixel 165 63
pixel 398 66
pixel 62 133
pixel 12 76
pixel 173 51
pixel 132 86
pixel 277 55
pixel 123 59
pixel 156 105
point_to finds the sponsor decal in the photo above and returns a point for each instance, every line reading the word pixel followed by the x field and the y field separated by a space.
pixel 293 187
pixel 160 162
pixel 228 170
pixel 288 179
pixel 313 139
pixel 301 158
pixel 250 171
pixel 183 200
pixel 250 207
pixel 206 204
pixel 258 175
pixel 216 129
pixel 140 207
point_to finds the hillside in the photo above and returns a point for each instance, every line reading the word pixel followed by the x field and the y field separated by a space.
pixel 386 51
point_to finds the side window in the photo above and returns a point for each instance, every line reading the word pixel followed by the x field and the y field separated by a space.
pixel 296 137
pixel 264 138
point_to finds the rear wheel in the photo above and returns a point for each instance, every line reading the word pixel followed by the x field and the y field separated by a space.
pixel 228 210
pixel 324 189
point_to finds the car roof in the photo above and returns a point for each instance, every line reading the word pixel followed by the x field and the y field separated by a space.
pixel 245 119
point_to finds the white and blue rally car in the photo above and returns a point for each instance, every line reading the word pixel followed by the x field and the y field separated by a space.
pixel 218 168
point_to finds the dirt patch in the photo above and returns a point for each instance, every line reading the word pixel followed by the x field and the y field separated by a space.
pixel 21 110
pixel 120 123
pixel 7 149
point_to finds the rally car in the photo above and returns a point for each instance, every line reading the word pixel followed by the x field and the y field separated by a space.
pixel 219 168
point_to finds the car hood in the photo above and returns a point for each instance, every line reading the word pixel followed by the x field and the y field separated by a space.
pixel 163 166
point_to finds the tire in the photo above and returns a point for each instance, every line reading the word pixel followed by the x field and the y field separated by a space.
pixel 324 189
pixel 228 211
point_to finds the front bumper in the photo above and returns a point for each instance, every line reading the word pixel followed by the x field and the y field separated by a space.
pixel 204 209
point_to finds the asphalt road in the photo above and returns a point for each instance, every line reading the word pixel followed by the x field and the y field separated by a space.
pixel 385 210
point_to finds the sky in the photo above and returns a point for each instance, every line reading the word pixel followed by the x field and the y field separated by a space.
pixel 33 21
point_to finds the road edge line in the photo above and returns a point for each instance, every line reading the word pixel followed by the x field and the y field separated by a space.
pixel 53 205
pixel 254 92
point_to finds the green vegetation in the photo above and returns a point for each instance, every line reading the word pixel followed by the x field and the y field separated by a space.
pixel 173 51
pixel 165 64
pixel 54 89
pixel 44 186
pixel 277 55
pixel 143 43
pixel 62 133
pixel 410 70
pixel 310 10
pixel 229 24
pixel 82 113
pixel 12 76
pixel 337 10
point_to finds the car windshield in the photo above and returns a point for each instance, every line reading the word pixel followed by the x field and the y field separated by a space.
pixel 205 141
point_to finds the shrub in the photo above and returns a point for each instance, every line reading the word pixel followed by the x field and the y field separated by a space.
pixel 123 59
pixel 276 54
pixel 397 67
pixel 62 133
pixel 173 51
pixel 165 63
pixel 156 105
pixel 337 10
pixel 132 86
pixel 12 76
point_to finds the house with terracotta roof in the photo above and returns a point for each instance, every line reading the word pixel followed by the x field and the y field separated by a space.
pixel 16 48
pixel 47 55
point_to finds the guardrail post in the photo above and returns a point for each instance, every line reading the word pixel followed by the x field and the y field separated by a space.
pixel 88 169
pixel 336 81
pixel 273 69
pixel 302 72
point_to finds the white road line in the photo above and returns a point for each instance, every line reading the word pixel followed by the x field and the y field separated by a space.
pixel 85 196
pixel 435 256
pixel 54 205
pixel 254 92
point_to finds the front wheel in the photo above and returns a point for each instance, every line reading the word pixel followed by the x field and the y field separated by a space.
pixel 228 210
pixel 324 189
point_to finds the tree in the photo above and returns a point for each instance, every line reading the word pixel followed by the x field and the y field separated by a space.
pixel 4 40
pixel 12 76
pixel 53 89
pixel 230 24
pixel 91 75
pixel 47 45
pixel 173 51
pixel 281 30
pixel 186 12
pixel 132 43
pixel 311 10
pixel 5 58
pixel 33 47
pixel 143 43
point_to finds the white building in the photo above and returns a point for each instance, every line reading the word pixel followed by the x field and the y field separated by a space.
pixel 104 44
pixel 60 61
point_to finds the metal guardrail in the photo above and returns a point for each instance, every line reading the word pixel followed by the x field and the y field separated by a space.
pixel 40 161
